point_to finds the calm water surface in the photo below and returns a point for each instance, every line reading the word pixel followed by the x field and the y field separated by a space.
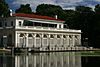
pixel 54 59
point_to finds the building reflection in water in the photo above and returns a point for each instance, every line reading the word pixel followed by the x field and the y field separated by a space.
pixel 57 59
pixel 63 59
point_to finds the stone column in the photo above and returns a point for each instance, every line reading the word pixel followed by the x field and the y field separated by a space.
pixel 34 40
pixel 16 39
pixel 26 40
pixel 41 41
pixel 55 40
pixel 48 39
pixel 73 38
pixel 67 37
pixel 62 40
pixel 79 38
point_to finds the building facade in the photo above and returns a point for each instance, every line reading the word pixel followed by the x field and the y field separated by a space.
pixel 29 30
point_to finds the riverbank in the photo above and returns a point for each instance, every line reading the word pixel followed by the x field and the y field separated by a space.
pixel 65 49
pixel 51 49
pixel 4 49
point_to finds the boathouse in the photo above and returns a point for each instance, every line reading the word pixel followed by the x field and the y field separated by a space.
pixel 34 31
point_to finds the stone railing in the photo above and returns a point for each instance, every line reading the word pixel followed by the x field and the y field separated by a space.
pixel 47 28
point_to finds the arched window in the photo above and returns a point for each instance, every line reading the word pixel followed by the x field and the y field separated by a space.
pixel 45 36
pixel 21 35
pixel 70 36
pixel 58 36
pixel 76 37
pixel 30 35
pixel 51 36
pixel 64 36
pixel 37 35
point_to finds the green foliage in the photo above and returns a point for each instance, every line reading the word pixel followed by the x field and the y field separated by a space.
pixel 82 18
pixel 49 10
pixel 97 8
pixel 4 9
pixel 24 9
pixel 83 9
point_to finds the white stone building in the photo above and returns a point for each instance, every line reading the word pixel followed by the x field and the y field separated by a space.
pixel 29 30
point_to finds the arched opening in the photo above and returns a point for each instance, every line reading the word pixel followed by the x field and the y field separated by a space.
pixel 64 36
pixel 37 35
pixel 70 40
pixel 65 40
pixel 30 40
pixel 58 36
pixel 52 40
pixel 21 35
pixel 51 36
pixel 59 40
pixel 44 36
pixel 76 40
pixel 44 40
pixel 22 40
pixel 30 35
pixel 38 40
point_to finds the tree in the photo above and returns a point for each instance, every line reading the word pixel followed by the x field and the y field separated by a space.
pixel 83 18
pixel 83 9
pixel 49 10
pixel 97 8
pixel 94 37
pixel 24 9
pixel 4 9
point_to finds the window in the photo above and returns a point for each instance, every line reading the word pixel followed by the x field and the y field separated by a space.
pixel 45 36
pixel 5 23
pixel 28 23
pixel 0 24
pixel 30 35
pixel 64 36
pixel 21 35
pixel 11 23
pixel 58 36
pixel 51 36
pixel 19 23
pixel 59 26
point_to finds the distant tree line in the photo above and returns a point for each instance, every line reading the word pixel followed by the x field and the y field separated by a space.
pixel 4 9
pixel 24 9
pixel 84 18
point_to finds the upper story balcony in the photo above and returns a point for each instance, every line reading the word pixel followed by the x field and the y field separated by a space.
pixel 36 25
pixel 40 28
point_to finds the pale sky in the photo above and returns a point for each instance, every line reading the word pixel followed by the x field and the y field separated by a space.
pixel 66 4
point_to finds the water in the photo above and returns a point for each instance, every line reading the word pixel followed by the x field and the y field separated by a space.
pixel 54 59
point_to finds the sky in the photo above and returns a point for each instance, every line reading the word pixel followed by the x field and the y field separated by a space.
pixel 65 4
